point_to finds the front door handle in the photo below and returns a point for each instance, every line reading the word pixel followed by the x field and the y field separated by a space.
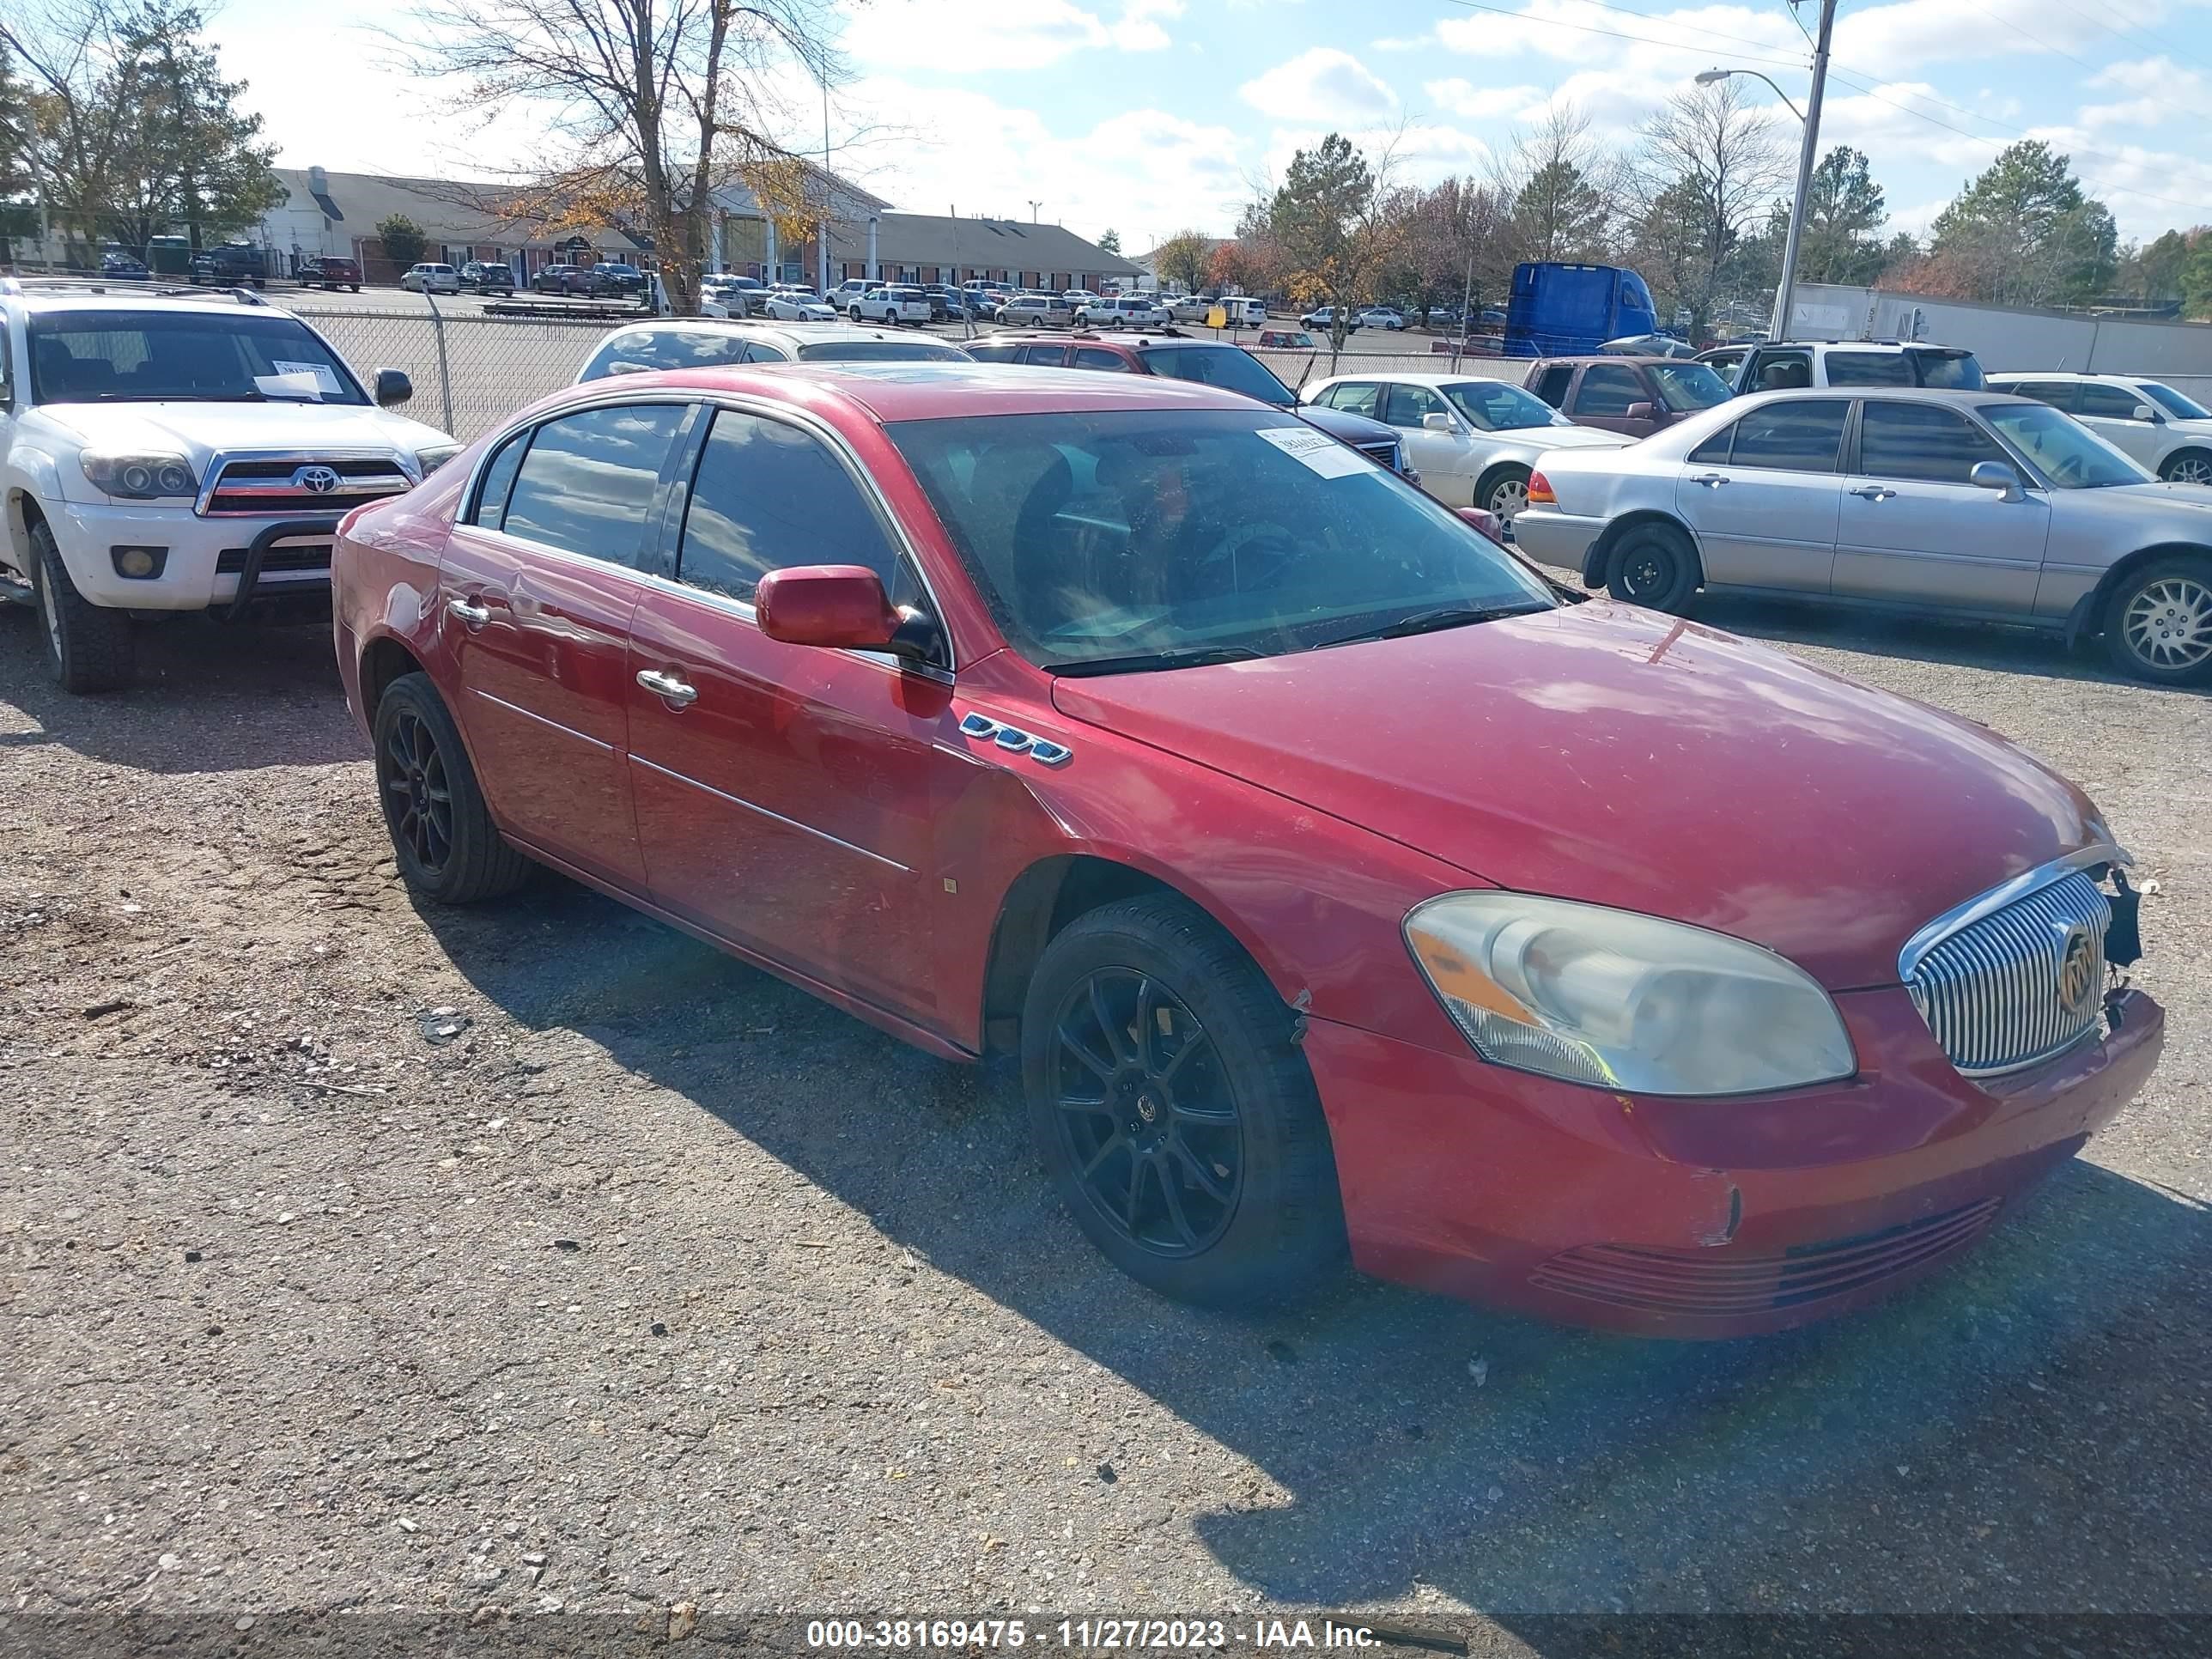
pixel 474 615
pixel 1711 480
pixel 1873 493
pixel 671 687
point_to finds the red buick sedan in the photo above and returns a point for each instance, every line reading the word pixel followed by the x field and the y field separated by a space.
pixel 1339 883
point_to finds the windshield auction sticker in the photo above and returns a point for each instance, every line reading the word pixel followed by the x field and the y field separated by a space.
pixel 1317 450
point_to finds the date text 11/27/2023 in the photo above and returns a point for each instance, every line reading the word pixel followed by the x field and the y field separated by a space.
pixel 1089 1635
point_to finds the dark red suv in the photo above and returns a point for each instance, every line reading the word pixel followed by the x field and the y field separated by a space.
pixel 1335 882
pixel 333 272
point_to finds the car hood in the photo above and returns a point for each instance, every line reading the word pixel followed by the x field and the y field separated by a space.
pixel 1343 423
pixel 199 430
pixel 1613 754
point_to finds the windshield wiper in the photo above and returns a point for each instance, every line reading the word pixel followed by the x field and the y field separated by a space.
pixel 1429 621
pixel 1194 656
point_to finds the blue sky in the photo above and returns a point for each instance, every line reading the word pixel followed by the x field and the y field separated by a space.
pixel 1148 116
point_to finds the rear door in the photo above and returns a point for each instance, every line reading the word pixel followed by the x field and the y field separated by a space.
pixel 536 593
pixel 1913 528
pixel 785 798
pixel 1441 458
pixel 1762 493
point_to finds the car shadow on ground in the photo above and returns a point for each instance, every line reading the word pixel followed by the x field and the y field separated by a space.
pixel 1953 1448
pixel 1917 639
pixel 266 696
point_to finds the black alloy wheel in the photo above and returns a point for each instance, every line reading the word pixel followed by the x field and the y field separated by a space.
pixel 1146 1113
pixel 419 801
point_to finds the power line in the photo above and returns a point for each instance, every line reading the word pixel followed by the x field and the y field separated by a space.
pixel 1617 35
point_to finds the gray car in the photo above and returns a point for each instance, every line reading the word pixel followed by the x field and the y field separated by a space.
pixel 1970 504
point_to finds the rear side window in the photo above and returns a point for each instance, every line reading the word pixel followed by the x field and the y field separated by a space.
pixel 766 495
pixel 1922 441
pixel 498 480
pixel 586 484
pixel 1949 371
pixel 1607 389
pixel 1356 397
pixel 993 353
pixel 1552 385
pixel 1408 405
pixel 1046 356
pixel 2059 394
pixel 1095 357
pixel 1869 368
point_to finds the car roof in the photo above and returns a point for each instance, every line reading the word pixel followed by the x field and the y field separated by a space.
pixel 92 294
pixel 1424 376
pixel 2060 374
pixel 893 392
pixel 791 334
pixel 1613 357
pixel 1912 394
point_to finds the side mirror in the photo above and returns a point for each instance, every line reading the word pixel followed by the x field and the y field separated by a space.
pixel 1437 420
pixel 842 606
pixel 1995 475
pixel 1487 522
pixel 392 387
pixel 1642 413
pixel 2145 412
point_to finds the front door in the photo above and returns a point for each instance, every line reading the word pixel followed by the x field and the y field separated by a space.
pixel 2109 412
pixel 1441 456
pixel 537 594
pixel 785 793
pixel 1605 394
pixel 1913 528
pixel 1762 493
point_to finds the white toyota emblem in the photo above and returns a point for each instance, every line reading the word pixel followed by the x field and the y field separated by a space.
pixel 316 480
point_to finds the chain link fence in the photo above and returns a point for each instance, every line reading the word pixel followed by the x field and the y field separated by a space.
pixel 471 372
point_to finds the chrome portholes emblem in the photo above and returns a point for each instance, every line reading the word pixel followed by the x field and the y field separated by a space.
pixel 1043 751
pixel 315 480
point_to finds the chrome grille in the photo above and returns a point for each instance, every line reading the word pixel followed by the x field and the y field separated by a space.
pixel 2021 983
pixel 1384 454
pixel 272 488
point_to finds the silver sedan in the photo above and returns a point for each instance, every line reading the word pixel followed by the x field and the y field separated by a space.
pixel 1969 504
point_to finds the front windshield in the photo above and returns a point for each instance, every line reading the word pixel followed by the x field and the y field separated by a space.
pixel 1689 385
pixel 1230 368
pixel 1104 536
pixel 1494 406
pixel 2176 406
pixel 183 355
pixel 2063 450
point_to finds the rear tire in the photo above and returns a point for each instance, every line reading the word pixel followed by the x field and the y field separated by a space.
pixel 1654 566
pixel 88 646
pixel 1202 1168
pixel 2158 622
pixel 442 836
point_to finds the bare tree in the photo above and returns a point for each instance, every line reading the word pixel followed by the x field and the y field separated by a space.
pixel 1560 188
pixel 650 104
pixel 1709 164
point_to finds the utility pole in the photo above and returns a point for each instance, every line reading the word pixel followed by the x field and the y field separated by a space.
pixel 822 225
pixel 1779 329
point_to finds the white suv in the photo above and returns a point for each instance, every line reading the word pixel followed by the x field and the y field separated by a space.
pixel 1121 311
pixel 889 305
pixel 162 452
pixel 2169 434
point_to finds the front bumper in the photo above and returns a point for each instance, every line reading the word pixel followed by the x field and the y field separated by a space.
pixel 1559 539
pixel 1701 1217
pixel 207 559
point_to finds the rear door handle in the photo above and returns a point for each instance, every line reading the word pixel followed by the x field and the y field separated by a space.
pixel 1873 493
pixel 1711 480
pixel 671 687
pixel 474 615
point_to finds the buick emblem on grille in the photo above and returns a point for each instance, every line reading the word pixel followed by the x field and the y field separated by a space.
pixel 2077 969
pixel 315 480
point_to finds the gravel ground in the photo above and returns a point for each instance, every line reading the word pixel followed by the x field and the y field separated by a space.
pixel 657 1283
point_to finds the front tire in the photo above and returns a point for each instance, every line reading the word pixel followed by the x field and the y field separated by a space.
pixel 1173 1109
pixel 1504 492
pixel 1653 566
pixel 442 836
pixel 2189 466
pixel 2158 624
pixel 88 646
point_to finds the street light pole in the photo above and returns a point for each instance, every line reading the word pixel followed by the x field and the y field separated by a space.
pixel 1779 327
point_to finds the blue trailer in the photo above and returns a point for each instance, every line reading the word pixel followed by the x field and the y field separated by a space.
pixel 1565 311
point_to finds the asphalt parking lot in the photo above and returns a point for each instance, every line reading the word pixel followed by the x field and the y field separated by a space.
pixel 640 1279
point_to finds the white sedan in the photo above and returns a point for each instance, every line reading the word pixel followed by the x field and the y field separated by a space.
pixel 1380 317
pixel 798 305
pixel 1475 441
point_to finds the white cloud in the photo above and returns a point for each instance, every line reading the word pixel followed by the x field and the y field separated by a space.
pixel 2164 89
pixel 1464 98
pixel 1404 43
pixel 1923 32
pixel 1321 84
pixel 1419 152
pixel 901 35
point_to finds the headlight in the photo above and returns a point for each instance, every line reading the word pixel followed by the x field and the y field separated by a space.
pixel 431 459
pixel 141 477
pixel 1625 1001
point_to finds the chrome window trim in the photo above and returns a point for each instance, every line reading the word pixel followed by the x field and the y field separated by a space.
pixel 774 818
pixel 2004 893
